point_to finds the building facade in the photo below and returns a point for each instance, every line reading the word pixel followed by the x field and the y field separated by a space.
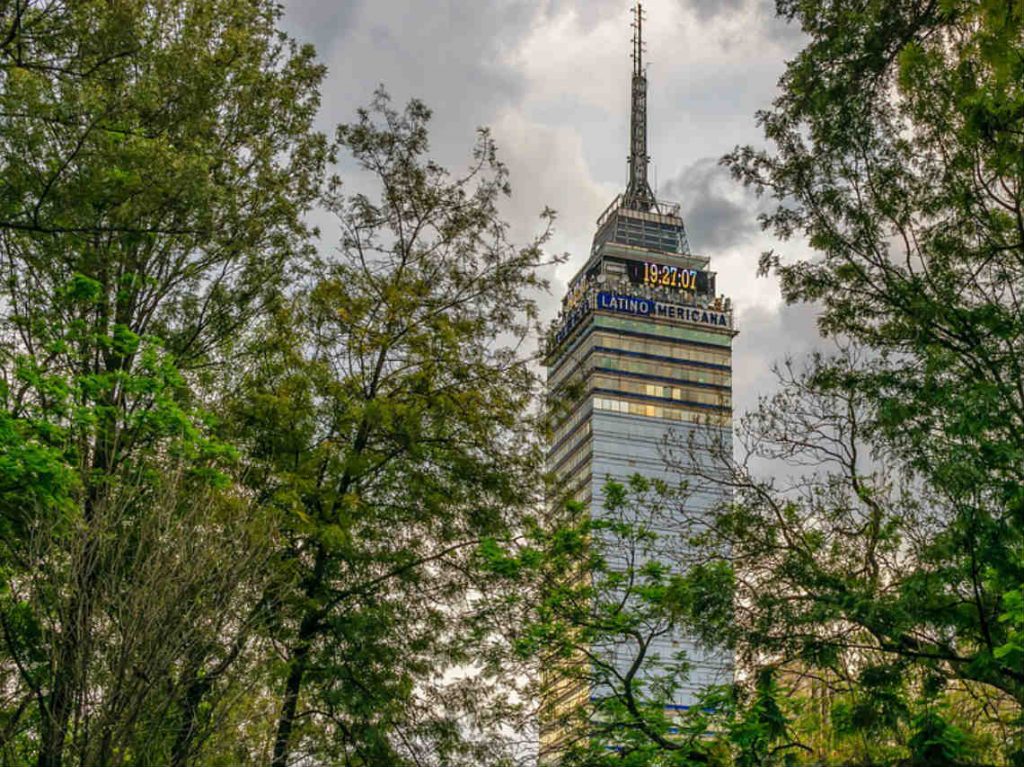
pixel 641 350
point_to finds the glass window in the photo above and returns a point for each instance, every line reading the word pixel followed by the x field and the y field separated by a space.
pixel 668 348
pixel 674 413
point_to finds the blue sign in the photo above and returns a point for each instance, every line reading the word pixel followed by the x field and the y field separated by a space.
pixel 646 307
pixel 643 307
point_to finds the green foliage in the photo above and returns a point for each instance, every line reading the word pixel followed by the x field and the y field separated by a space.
pixel 934 741
pixel 760 726
pixel 897 152
pixel 157 159
pixel 1012 652
pixel 879 705
pixel 875 578
pixel 243 484
pixel 258 505
pixel 386 421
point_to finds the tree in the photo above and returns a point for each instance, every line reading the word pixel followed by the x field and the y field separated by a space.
pixel 387 417
pixel 843 585
pixel 156 161
pixel 898 150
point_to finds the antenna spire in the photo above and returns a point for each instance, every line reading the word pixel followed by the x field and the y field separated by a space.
pixel 638 194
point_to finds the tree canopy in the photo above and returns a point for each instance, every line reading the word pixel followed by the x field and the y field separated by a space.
pixel 902 162
pixel 242 481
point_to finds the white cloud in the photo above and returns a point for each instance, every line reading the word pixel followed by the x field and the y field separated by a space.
pixel 548 169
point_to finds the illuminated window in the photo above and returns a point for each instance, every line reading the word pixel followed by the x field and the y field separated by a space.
pixel 686 415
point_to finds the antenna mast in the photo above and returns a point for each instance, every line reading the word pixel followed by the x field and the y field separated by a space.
pixel 638 194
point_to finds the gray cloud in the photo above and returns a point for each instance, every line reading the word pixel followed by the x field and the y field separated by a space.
pixel 318 22
pixel 707 9
pixel 756 13
pixel 591 13
pixel 759 12
pixel 767 337
pixel 448 54
pixel 786 33
pixel 719 212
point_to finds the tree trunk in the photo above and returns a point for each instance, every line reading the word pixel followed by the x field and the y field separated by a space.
pixel 293 686
pixel 299 662
pixel 56 713
pixel 181 750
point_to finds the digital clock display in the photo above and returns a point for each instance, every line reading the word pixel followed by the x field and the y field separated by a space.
pixel 666 276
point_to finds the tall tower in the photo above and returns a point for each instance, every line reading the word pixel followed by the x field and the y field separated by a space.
pixel 645 341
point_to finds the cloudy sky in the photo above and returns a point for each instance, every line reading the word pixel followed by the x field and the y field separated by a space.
pixel 551 79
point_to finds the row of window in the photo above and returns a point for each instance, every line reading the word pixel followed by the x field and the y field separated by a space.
pixel 648 234
pixel 571 360
pixel 579 478
pixel 662 328
pixel 576 364
pixel 716 343
pixel 670 413
pixel 667 348
pixel 664 370
pixel 683 393
pixel 565 697
pixel 578 425
pixel 559 448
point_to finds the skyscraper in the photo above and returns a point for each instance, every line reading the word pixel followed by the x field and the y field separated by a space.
pixel 646 340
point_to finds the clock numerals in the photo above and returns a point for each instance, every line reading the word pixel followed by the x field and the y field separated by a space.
pixel 669 276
